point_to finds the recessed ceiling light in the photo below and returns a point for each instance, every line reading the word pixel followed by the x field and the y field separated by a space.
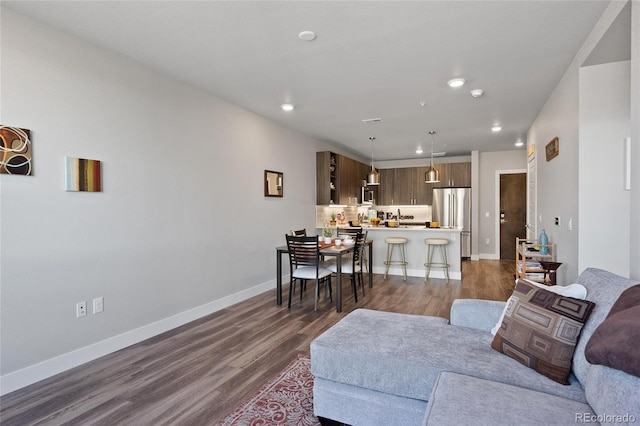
pixel 519 143
pixel 419 151
pixel 456 82
pixel 287 107
pixel 307 36
pixel 476 93
pixel 496 128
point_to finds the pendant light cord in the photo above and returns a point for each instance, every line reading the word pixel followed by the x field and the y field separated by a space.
pixel 372 139
pixel 432 132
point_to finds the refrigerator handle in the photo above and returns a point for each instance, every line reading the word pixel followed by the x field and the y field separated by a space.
pixel 454 213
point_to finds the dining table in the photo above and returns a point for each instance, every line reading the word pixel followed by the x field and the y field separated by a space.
pixel 327 251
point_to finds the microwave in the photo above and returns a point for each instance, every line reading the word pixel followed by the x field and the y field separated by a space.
pixel 368 195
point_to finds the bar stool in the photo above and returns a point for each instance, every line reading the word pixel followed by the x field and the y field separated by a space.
pixel 432 245
pixel 391 243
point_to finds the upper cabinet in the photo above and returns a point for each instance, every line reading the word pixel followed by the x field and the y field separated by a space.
pixel 326 177
pixel 406 186
pixel 454 174
pixel 387 187
pixel 338 178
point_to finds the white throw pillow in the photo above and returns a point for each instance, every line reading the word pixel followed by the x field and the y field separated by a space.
pixel 577 291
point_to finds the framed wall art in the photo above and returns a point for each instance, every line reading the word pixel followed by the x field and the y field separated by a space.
pixel 15 151
pixel 273 183
pixel 552 149
pixel 82 175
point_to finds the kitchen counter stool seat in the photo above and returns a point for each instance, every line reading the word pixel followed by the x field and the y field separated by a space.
pixel 440 245
pixel 392 242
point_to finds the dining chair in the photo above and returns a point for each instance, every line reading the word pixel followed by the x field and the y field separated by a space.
pixel 303 283
pixel 305 264
pixel 353 231
pixel 353 268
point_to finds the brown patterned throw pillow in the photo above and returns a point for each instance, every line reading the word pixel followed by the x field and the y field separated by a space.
pixel 615 341
pixel 540 329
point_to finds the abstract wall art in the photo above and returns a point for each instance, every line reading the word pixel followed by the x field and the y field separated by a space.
pixel 15 151
pixel 82 175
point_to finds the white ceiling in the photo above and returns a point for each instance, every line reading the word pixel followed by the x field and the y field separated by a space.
pixel 370 59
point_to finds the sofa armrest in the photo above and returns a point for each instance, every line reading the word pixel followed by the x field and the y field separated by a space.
pixel 476 313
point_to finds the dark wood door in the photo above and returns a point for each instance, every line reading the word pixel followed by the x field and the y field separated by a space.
pixel 513 212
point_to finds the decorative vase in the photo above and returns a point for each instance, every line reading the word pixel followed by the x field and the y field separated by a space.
pixel 543 240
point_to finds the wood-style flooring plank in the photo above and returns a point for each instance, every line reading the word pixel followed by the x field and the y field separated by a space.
pixel 198 373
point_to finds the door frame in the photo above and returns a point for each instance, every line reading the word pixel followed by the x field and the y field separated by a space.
pixel 496 214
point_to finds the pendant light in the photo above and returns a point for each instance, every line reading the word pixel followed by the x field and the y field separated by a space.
pixel 373 178
pixel 432 175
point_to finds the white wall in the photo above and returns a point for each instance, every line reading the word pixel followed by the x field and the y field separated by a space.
pixel 182 227
pixel 603 201
pixel 557 180
pixel 490 163
pixel 634 251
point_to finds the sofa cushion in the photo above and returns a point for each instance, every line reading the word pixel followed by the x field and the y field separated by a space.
pixel 613 392
pixel 455 400
pixel 572 290
pixel 615 341
pixel 603 288
pixel 403 354
pixel 540 329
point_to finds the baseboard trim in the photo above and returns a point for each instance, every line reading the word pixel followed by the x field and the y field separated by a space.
pixel 489 256
pixel 34 373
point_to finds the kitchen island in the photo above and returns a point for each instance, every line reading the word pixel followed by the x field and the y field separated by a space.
pixel 416 249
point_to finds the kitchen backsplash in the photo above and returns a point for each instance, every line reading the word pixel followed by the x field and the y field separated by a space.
pixel 344 214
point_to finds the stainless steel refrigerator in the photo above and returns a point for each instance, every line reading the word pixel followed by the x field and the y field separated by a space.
pixel 452 208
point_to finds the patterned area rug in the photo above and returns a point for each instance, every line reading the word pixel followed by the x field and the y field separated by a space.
pixel 286 399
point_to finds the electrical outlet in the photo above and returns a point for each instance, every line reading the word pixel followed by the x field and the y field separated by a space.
pixel 81 309
pixel 557 221
pixel 570 224
pixel 98 305
pixel 487 241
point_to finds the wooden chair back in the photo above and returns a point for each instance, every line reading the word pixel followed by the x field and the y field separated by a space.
pixel 303 251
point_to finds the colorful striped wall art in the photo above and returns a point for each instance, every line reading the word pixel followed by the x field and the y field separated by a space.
pixel 82 175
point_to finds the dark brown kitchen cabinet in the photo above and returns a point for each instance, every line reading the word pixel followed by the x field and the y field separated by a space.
pixel 454 174
pixel 338 178
pixel 327 183
pixel 404 186
pixel 387 187
pixel 350 178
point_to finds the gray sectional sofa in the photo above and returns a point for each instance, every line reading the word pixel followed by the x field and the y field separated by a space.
pixel 383 368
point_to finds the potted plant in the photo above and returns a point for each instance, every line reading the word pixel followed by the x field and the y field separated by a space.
pixel 333 219
pixel 328 233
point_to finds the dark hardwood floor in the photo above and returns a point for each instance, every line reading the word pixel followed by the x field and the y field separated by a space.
pixel 198 373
